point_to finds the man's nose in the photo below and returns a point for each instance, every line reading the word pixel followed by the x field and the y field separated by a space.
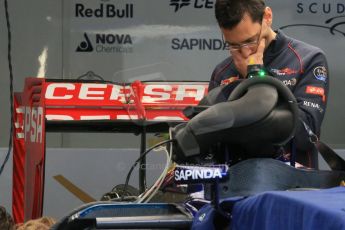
pixel 245 52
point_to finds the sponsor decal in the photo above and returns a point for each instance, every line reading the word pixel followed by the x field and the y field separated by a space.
pixel 330 24
pixel 106 43
pixel 320 73
pixel 33 121
pixel 104 10
pixel 202 217
pixel 95 101
pixel 284 71
pixel 229 80
pixel 19 122
pixel 331 7
pixel 193 174
pixel 290 82
pixel 178 4
pixel 316 91
pixel 85 46
pixel 198 44
pixel 109 93
pixel 313 105
pixel 197 4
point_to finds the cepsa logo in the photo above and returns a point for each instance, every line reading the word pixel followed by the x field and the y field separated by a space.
pixel 198 44
pixel 197 4
pixel 112 101
pixel 316 91
pixel 111 93
pixel 104 11
pixel 33 124
pixel 107 43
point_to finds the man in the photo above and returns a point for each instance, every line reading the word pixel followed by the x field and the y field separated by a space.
pixel 246 27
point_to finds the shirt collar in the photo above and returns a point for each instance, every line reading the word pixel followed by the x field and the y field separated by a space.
pixel 277 45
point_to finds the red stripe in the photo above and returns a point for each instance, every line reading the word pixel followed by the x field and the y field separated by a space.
pixel 298 57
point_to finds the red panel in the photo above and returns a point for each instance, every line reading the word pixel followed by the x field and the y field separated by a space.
pixel 34 135
pixel 18 176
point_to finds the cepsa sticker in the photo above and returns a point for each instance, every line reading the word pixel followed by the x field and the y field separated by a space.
pixel 320 73
pixel 316 91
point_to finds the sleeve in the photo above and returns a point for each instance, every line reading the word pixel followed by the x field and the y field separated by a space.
pixel 221 71
pixel 213 82
pixel 311 93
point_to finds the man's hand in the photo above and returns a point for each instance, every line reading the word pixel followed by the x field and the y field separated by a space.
pixel 243 57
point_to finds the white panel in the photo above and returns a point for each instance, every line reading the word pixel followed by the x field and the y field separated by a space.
pixel 150 41
pixel 36 31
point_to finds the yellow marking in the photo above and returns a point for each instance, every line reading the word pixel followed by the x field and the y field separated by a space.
pixel 251 61
pixel 80 194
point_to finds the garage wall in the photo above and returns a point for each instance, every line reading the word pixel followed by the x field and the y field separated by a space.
pixel 149 40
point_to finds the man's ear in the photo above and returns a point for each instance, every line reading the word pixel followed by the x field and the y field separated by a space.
pixel 268 16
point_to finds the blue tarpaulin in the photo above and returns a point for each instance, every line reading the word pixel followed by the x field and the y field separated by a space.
pixel 316 209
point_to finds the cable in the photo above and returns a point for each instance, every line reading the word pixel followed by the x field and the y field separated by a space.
pixel 11 86
pixel 138 160
pixel 148 195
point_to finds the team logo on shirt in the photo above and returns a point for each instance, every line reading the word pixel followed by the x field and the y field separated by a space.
pixel 320 73
pixel 284 71
pixel 290 82
pixel 229 80
pixel 316 91
pixel 313 105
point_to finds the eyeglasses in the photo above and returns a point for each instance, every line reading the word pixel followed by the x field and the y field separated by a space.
pixel 249 45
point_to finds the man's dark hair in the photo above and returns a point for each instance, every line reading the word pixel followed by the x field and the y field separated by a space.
pixel 6 221
pixel 230 12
